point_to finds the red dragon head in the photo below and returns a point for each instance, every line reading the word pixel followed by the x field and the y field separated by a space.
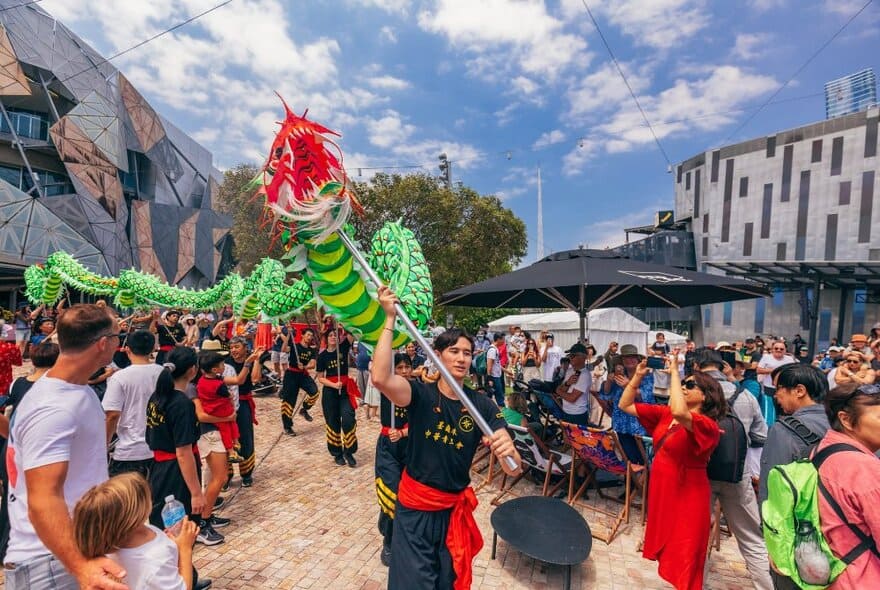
pixel 305 181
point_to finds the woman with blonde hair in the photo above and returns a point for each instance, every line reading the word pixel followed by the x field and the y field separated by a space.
pixel 111 519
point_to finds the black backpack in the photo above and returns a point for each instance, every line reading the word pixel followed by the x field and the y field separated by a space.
pixel 728 460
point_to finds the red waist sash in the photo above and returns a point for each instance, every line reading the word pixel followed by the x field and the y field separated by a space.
pixel 463 537
pixel 161 456
pixel 351 388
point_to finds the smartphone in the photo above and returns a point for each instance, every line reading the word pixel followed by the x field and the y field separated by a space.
pixel 656 362
pixel 729 357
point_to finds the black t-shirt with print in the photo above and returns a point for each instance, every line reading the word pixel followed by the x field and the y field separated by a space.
pixel 171 423
pixel 170 335
pixel 442 444
pixel 334 362
pixel 303 353
pixel 400 416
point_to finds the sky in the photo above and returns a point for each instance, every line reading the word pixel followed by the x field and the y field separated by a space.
pixel 500 86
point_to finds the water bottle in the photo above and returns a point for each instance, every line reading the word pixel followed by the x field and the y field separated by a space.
pixel 173 514
pixel 812 564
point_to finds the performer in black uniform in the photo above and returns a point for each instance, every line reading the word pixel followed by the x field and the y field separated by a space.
pixel 339 399
pixel 296 377
pixel 433 518
pixel 246 415
pixel 170 333
pixel 391 457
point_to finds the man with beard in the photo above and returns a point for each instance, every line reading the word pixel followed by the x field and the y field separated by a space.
pixel 296 377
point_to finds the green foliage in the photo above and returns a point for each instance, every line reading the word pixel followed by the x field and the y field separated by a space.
pixel 466 237
pixel 251 226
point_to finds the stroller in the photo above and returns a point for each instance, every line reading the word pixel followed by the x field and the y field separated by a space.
pixel 543 407
pixel 271 382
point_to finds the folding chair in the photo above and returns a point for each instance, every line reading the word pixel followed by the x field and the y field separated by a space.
pixel 600 450
pixel 483 460
pixel 536 457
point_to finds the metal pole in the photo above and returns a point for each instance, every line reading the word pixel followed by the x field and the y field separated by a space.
pixel 841 314
pixel 582 312
pixel 426 346
pixel 814 316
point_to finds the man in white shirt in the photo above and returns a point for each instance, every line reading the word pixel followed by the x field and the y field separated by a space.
pixel 494 369
pixel 574 391
pixel 125 406
pixel 778 356
pixel 57 446
pixel 550 358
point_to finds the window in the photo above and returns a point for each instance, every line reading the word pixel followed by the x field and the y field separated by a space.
pixel 766 209
pixel 871 137
pixel 845 190
pixel 817 151
pixel 11 174
pixel 787 154
pixel 760 309
pixel 28 124
pixel 727 320
pixel 836 156
pixel 747 239
pixel 707 316
pixel 52 183
pixel 780 251
pixel 771 146
pixel 716 159
pixel 687 181
pixel 866 208
pixel 744 186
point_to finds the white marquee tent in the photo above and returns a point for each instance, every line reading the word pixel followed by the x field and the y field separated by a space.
pixel 603 326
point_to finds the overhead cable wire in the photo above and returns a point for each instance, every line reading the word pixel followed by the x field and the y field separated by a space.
pixel 170 29
pixel 800 69
pixel 626 82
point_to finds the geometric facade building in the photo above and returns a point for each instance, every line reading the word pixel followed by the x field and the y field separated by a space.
pixel 798 210
pixel 88 166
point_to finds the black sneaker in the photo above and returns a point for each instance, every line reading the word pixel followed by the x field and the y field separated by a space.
pixel 247 481
pixel 218 522
pixel 305 414
pixel 289 432
pixel 203 584
pixel 350 460
pixel 225 487
pixel 340 460
pixel 208 536
pixel 219 502
pixel 385 556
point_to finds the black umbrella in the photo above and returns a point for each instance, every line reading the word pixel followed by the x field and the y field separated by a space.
pixel 582 280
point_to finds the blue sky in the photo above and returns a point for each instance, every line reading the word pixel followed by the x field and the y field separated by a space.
pixel 499 85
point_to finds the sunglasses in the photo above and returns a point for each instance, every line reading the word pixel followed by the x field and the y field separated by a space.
pixel 864 390
pixel 778 350
pixel 690 384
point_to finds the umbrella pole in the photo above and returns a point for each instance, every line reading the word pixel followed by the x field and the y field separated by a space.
pixel 582 313
pixel 426 346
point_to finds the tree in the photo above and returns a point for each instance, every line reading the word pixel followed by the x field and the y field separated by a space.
pixel 466 237
pixel 251 223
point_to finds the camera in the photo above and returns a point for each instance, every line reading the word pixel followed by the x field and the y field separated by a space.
pixel 656 362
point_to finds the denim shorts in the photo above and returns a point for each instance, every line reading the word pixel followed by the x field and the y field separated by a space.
pixel 39 573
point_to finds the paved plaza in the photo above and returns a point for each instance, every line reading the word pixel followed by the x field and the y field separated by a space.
pixel 308 523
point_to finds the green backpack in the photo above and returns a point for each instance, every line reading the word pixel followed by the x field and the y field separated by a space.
pixel 479 363
pixel 792 506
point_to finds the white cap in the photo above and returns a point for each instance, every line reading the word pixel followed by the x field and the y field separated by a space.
pixel 169 498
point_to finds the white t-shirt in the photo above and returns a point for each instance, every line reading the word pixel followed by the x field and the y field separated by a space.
pixel 554 355
pixel 768 361
pixel 56 422
pixel 229 371
pixel 492 354
pixel 832 374
pixel 153 565
pixel 582 404
pixel 128 392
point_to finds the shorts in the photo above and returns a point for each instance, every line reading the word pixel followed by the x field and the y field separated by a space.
pixel 22 334
pixel 282 358
pixel 210 442
pixel 372 396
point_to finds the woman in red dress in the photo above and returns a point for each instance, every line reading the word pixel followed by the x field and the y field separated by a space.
pixel 685 433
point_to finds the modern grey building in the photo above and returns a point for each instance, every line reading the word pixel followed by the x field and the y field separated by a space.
pixel 797 210
pixel 88 166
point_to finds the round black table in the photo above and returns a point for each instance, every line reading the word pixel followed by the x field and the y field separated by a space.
pixel 546 529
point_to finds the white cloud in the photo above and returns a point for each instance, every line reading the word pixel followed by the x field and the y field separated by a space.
pixel 604 90
pixel 398 7
pixel 549 138
pixel 750 45
pixel 574 162
pixel 401 141
pixel 661 24
pixel 506 33
pixel 388 83
pixel 505 115
pixel 524 85
pixel 388 35
pixel 508 194
pixel 608 233
pixel 845 8
pixel 762 6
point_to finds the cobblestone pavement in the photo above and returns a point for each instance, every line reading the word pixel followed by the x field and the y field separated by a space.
pixel 309 524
